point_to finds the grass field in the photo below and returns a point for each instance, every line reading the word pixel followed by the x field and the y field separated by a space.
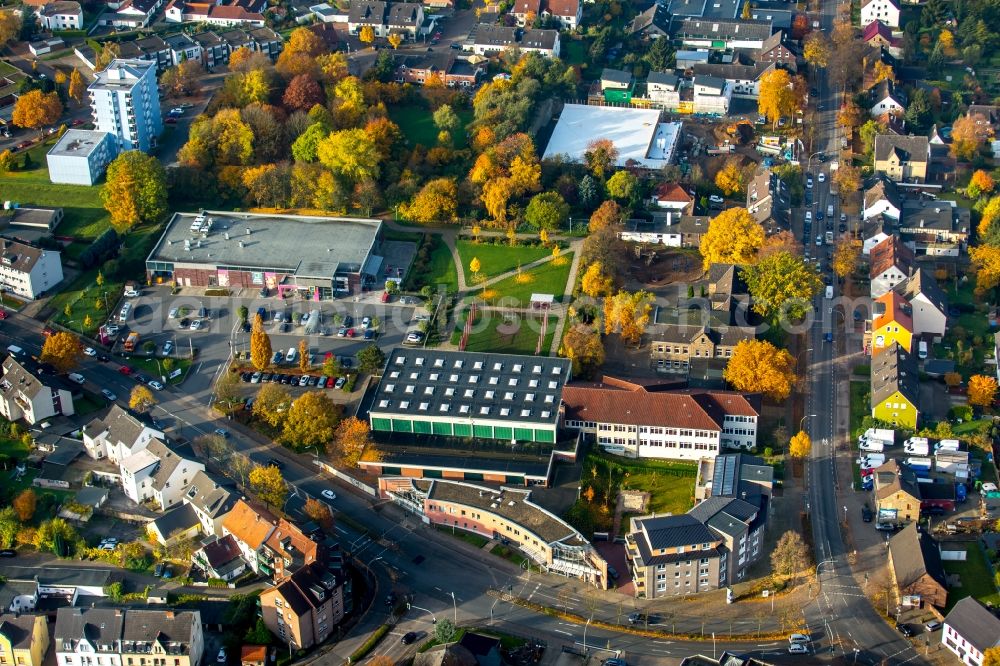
pixel 860 407
pixel 13 448
pixel 416 122
pixel 548 278
pixel 85 217
pixel 490 340
pixel 669 483
pixel 496 259
pixel 976 579
pixel 440 269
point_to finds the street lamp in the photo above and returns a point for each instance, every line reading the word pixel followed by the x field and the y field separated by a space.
pixel 803 420
pixel 455 606
pixel 585 633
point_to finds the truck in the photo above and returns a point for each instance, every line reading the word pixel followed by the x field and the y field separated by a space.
pixel 919 446
pixel 131 341
pixel 876 437
pixel 829 235
pixel 886 519
pixel 947 445
pixel 313 323
pixel 918 462
pixel 722 149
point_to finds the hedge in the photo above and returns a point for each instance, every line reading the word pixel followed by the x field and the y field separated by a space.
pixel 370 644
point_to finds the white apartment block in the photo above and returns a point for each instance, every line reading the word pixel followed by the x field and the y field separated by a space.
pixel 117 435
pixel 157 473
pixel 24 396
pixel 126 102
pixel 26 271
pixel 61 15
pixel 886 11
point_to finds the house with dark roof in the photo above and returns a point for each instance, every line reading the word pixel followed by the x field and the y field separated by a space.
pixel 220 559
pixel 673 346
pixel 176 525
pixel 24 639
pixel 158 473
pixel 304 609
pixel 934 227
pixel 882 198
pixel 675 555
pixel 652 23
pixel 916 569
pixel 117 435
pixel 902 158
pixel 970 629
pixel 721 34
pixel 566 13
pixel 740 524
pixel 769 200
pixel 211 500
pixel 885 98
pixel 895 387
pixel 32 397
pixel 773 50
pixel 736 475
pixel 647 421
pixel 928 304
pixel 742 76
pixel 890 262
pixel 128 635
pixel 27 271
pixel 486 649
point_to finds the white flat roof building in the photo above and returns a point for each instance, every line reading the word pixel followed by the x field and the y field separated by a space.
pixel 80 157
pixel 638 134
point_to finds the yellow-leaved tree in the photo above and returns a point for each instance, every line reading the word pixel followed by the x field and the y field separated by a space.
pixel 845 257
pixel 733 237
pixel 816 49
pixel 260 344
pixel 986 259
pixel 595 283
pixel 35 109
pixel 367 34
pixel 141 398
pixel 981 183
pixel 311 420
pixel 628 313
pixel 800 445
pixel 351 440
pixel 475 266
pixel 757 366
pixel 268 484
pixel 731 178
pixel 62 351
pixel 982 390
pixel 776 97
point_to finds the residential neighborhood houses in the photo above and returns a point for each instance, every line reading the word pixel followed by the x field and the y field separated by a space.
pixel 379 331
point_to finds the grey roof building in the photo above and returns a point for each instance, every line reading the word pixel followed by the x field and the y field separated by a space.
pixel 468 394
pixel 970 629
pixel 895 370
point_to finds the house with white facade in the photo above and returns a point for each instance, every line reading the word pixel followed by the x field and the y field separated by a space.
pixel 157 473
pixel 882 198
pixel 639 421
pixel 250 527
pixel 890 262
pixel 743 79
pixel 80 157
pixel 127 636
pixel 61 15
pixel 928 304
pixel 117 435
pixel 125 100
pixel 970 629
pixel 210 500
pixel 27 271
pixel 885 98
pixel 672 197
pixel 876 230
pixel 712 94
pixel 664 89
pixel 24 395
pixel 886 11
pixel 722 35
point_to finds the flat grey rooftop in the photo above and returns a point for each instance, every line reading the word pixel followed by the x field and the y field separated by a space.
pixel 77 143
pixel 307 246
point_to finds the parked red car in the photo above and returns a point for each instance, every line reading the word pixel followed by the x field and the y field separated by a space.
pixel 126 370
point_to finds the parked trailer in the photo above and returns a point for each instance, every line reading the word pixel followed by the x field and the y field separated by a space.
pixel 919 463
pixel 917 445
pixel 948 445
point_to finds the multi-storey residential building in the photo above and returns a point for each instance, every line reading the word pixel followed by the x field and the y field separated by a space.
pixel 24 639
pixel 740 525
pixel 506 514
pixel 158 473
pixel 80 157
pixel 210 501
pixel 769 200
pixel 890 262
pixel 928 303
pixel 895 387
pixel 220 559
pixel 120 637
pixel 673 555
pixel 673 346
pixel 126 102
pixel 250 526
pixel 902 158
pixel 117 435
pixel 34 398
pixel 935 228
pixel 637 421
pixel 27 271
pixel 721 35
pixel 892 324
pixel 304 609
pixel 287 549
pixel 970 629
pixel 61 15
pixel 886 11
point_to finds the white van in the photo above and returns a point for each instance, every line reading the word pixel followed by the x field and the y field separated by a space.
pixel 829 211
pixel 291 355
pixel 123 314
pixel 829 291
pixel 922 350
pixel 15 351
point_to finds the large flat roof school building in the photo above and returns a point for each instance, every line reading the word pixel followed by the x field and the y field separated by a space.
pixel 468 394
pixel 317 256
pixel 638 134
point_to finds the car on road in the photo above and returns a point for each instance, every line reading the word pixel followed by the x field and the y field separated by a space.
pixel 351 332
pixel 222 432
pixel 809 182
pixel 155 385
pixel 158 569
pixel 8 552
pixel 369 334
pixel 905 629
pixel 798 638
pixel 277 358
pixel 274 462
pixel 716 199
pixel 168 347
pixel 221 657
pixel 798 648
pixel 109 395
pixel 75 377
pixel 366 322
pixel 126 370
pixel 342 332
pixel 170 120
pixel 111 328
pixel 842 227
pixel 245 376
pixel 642 618
pixel 255 378
pixel 340 382
pixel 988 487
pixel 103 358
pixel 184 323
pixel 329 494
pixel 89 351
pixel 821 177
pixel 866 514
pixel 933 625
pixel 422 317
pixel 615 661
pixel 409 637
pixel 391 599
pixel 196 325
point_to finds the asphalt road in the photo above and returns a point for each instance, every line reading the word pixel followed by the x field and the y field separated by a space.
pixel 841 619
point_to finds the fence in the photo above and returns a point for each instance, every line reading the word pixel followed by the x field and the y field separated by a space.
pixel 357 483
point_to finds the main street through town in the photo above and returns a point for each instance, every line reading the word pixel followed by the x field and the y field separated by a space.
pixel 841 614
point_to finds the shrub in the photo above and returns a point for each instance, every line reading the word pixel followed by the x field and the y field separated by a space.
pixel 217 582
pixel 768 452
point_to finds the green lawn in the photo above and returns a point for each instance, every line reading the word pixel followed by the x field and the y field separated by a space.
pixel 468 537
pixel 86 405
pixel 440 269
pixel 85 216
pixel 975 576
pixel 416 122
pixel 148 366
pixel 496 259
pixel 548 278
pixel 574 51
pixel 860 406
pixel 669 482
pixel 489 339
pixel 13 448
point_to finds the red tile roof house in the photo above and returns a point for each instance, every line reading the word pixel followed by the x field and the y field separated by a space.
pixel 672 196
pixel 646 421
pixel 568 13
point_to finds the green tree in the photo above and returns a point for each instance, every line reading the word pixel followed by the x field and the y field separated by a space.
pixel 782 286
pixel 271 404
pixel 547 210
pixel 306 147
pixel 9 527
pixel 371 359
pixel 446 119
pixel 623 185
pixel 135 191
pixel 350 153
pixel 444 631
